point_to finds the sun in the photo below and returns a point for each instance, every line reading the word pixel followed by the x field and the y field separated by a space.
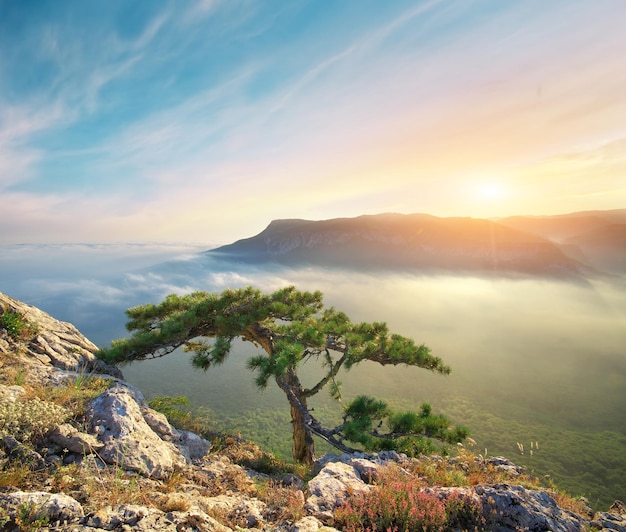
pixel 490 191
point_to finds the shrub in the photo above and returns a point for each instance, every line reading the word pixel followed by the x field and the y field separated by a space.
pixel 397 504
pixel 30 420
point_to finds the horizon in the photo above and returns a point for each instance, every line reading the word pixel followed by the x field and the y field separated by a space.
pixel 200 244
pixel 147 121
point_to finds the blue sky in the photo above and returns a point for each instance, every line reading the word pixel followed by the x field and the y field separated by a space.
pixel 204 120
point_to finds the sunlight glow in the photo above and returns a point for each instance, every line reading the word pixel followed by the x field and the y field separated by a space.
pixel 491 191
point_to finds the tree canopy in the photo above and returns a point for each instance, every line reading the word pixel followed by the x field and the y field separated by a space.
pixel 291 327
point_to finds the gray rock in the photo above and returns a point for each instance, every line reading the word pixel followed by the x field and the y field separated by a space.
pixel 54 344
pixel 117 419
pixel 159 424
pixel 290 480
pixel 75 441
pixel 47 507
pixel 16 450
pixel 331 487
pixel 613 520
pixel 510 508
pixel 11 393
pixel 505 465
pixel 192 446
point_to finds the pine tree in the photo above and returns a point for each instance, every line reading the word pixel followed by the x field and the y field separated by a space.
pixel 291 327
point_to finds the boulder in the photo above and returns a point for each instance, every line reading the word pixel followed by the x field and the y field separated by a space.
pixel 117 419
pixel 17 451
pixel 11 393
pixel 331 487
pixel 73 440
pixel 508 508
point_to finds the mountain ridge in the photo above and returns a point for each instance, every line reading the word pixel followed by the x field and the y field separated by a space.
pixel 547 245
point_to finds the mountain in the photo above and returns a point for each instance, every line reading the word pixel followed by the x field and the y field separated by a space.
pixel 596 238
pixel 406 241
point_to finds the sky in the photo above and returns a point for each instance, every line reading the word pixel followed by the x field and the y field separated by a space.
pixel 204 120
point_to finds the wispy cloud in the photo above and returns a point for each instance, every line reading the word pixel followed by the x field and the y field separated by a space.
pixel 203 106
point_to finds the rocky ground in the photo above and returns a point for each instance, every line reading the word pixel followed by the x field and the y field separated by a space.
pixel 83 451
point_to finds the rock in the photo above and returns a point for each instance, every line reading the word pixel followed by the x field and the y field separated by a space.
pixel 144 519
pixel 367 469
pixel 75 441
pixel 505 465
pixel 128 440
pixel 613 520
pixel 289 480
pixel 11 393
pixel 618 508
pixel 40 506
pixel 330 488
pixel 53 344
pixel 159 424
pixel 510 508
pixel 244 511
pixel 310 524
pixel 16 450
pixel 192 446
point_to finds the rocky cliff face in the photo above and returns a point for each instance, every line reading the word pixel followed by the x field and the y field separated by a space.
pixel 116 464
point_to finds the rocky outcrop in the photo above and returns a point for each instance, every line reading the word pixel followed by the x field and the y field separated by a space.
pixel 509 507
pixel 51 347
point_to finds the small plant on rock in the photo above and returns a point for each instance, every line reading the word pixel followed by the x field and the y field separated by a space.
pixel 16 326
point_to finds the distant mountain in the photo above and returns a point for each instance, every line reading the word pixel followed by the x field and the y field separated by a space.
pixel 411 241
pixel 596 238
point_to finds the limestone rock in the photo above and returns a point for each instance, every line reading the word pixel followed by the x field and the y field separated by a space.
pixel 75 441
pixel 613 520
pixel 192 446
pixel 53 507
pixel 509 508
pixel 310 524
pixel 117 419
pixel 246 512
pixel 159 424
pixel 53 344
pixel 17 451
pixel 144 519
pixel 11 393
pixel 331 487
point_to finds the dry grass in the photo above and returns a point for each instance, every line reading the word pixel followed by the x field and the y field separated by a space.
pixel 283 503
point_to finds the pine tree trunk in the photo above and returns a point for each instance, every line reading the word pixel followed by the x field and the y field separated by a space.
pixel 303 445
pixel 303 448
